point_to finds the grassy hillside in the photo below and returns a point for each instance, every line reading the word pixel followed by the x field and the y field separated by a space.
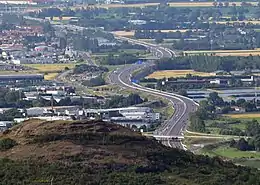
pixel 38 152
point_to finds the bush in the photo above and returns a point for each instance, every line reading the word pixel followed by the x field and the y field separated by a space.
pixel 98 81
pixel 7 143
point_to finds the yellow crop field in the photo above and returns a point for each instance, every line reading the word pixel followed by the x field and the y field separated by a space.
pixel 172 4
pixel 132 32
pixel 232 22
pixel 177 73
pixel 239 54
pixel 50 76
pixel 244 115
pixel 226 52
pixel 50 67
pixel 142 5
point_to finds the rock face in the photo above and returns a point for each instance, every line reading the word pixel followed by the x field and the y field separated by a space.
pixel 95 152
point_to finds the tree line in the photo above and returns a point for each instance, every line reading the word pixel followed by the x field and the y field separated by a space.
pixel 122 58
pixel 88 68
pixel 123 101
pixel 252 143
pixel 166 17
pixel 209 63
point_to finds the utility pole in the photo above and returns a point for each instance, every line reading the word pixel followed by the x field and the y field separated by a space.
pixel 20 96
pixel 52 102
pixel 255 92
pixel 51 180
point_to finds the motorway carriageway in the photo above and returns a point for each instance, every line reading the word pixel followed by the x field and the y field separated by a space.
pixel 183 106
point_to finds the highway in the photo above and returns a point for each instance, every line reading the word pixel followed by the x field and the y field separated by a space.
pixel 183 106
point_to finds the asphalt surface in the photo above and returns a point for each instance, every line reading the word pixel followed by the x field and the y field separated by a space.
pixel 183 106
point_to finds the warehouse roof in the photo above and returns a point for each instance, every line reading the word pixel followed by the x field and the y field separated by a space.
pixel 22 77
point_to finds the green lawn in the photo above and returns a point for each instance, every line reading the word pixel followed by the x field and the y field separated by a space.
pixel 250 162
pixel 213 130
pixel 231 153
pixel 243 123
pixel 128 51
pixel 133 51
pixel 241 126
pixel 250 119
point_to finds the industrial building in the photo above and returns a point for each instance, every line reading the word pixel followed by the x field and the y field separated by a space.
pixel 21 78
pixel 4 125
pixel 127 116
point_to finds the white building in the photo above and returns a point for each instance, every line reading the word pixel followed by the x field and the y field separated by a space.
pixel 137 22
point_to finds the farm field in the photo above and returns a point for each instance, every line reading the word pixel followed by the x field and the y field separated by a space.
pixel 226 52
pixel 177 73
pixel 172 4
pixel 50 70
pixel 244 116
pixel 231 153
pixel 50 76
pixel 231 22
pixel 50 67
pixel 19 72
pixel 132 32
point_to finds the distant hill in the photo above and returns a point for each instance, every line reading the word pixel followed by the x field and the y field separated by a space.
pixel 95 152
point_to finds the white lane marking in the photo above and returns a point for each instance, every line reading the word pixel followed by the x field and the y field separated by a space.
pixel 158 93
pixel 154 92
pixel 169 144
pixel 171 95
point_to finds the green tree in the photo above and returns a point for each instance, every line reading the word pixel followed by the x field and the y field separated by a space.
pixel 214 99
pixel 257 142
pixel 197 124
pixel 183 92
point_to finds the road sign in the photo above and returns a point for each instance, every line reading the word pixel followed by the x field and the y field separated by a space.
pixel 139 62
pixel 134 81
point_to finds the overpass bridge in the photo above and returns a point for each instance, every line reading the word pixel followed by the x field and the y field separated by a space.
pixel 166 138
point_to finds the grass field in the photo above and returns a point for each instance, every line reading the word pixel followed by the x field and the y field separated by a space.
pixel 50 76
pixel 50 67
pixel 226 52
pixel 19 72
pixel 241 126
pixel 177 73
pixel 244 115
pixel 231 153
pixel 252 163
pixel 51 70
